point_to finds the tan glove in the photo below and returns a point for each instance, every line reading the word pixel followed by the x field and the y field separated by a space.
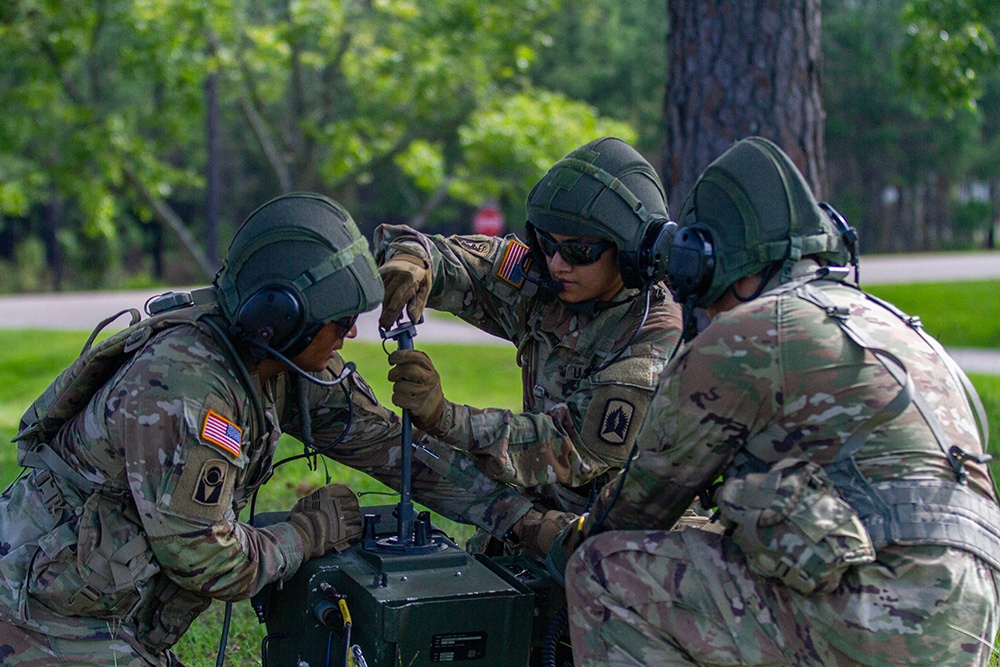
pixel 407 281
pixel 417 388
pixel 538 531
pixel 328 518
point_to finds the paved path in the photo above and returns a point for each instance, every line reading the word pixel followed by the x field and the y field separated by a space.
pixel 81 311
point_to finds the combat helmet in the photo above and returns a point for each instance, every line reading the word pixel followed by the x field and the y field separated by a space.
pixel 605 189
pixel 749 210
pixel 295 264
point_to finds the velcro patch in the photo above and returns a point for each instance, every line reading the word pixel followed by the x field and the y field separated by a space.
pixel 222 433
pixel 515 263
pixel 616 421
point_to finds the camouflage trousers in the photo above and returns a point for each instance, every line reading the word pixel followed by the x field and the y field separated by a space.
pixel 687 598
pixel 26 648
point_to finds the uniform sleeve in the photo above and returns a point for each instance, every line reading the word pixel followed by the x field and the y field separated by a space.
pixel 721 389
pixel 442 478
pixel 181 417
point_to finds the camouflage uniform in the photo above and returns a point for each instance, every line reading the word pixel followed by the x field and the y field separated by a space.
pixel 771 379
pixel 174 453
pixel 579 419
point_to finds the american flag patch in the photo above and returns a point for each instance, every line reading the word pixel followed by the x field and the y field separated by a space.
pixel 222 433
pixel 514 264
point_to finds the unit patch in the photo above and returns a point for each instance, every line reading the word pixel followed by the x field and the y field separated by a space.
pixel 211 480
pixel 515 264
pixel 222 433
pixel 616 421
pixel 480 248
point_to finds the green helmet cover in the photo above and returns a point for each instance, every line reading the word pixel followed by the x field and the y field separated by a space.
pixel 308 245
pixel 604 189
pixel 757 209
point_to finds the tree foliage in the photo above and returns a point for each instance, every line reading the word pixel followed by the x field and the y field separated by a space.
pixel 948 46
pixel 336 96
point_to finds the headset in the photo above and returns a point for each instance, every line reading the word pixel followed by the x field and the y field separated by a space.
pixel 692 257
pixel 272 322
pixel 274 316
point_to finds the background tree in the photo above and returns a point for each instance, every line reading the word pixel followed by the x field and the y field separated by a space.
pixel 737 69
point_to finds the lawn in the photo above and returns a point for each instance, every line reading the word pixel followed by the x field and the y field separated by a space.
pixel 959 314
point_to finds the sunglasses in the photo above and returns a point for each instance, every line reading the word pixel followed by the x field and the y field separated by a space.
pixel 577 253
pixel 346 323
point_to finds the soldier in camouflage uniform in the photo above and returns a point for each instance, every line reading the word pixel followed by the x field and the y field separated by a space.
pixel 124 527
pixel 584 303
pixel 863 523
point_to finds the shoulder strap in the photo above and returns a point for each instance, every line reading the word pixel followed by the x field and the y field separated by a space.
pixel 956 455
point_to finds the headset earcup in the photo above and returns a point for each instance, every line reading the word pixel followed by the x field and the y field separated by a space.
pixel 272 315
pixel 691 264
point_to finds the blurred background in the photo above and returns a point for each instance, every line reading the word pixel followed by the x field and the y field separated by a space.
pixel 136 134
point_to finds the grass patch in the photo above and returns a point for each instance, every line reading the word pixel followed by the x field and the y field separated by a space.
pixel 959 314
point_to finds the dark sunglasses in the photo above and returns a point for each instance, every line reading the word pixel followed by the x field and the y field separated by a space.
pixel 577 253
pixel 346 323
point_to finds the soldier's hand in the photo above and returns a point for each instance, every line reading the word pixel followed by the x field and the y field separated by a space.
pixel 407 281
pixel 328 518
pixel 417 387
pixel 538 531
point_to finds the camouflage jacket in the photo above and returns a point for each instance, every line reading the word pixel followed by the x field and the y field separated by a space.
pixel 778 376
pixel 579 417
pixel 174 451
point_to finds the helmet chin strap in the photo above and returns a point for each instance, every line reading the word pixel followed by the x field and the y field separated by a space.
pixel 346 372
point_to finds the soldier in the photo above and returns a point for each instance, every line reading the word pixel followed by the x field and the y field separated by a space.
pixel 583 302
pixel 863 525
pixel 125 526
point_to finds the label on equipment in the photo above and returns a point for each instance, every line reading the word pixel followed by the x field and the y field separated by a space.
pixel 459 646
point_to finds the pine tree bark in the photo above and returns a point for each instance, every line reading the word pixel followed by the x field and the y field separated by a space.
pixel 736 69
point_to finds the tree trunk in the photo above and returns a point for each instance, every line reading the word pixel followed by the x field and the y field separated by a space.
pixel 737 69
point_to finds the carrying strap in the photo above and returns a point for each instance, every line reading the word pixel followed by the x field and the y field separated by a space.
pixel 904 512
pixel 956 455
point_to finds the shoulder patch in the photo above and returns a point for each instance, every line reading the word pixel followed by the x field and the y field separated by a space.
pixel 481 248
pixel 222 433
pixel 516 260
pixel 616 421
pixel 211 481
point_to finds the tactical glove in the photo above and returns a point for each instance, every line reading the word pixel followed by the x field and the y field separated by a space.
pixel 417 387
pixel 328 518
pixel 538 531
pixel 407 281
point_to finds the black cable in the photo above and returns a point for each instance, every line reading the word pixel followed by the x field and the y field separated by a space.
pixel 224 639
pixel 552 635
pixel 642 323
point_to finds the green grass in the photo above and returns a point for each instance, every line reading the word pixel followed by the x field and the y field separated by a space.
pixel 959 314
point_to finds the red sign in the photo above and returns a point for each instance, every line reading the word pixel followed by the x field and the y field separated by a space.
pixel 488 220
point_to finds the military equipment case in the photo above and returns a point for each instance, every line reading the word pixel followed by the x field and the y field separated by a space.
pixel 406 609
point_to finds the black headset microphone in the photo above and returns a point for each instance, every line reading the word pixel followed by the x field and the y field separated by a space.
pixel 275 314
pixel 345 372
